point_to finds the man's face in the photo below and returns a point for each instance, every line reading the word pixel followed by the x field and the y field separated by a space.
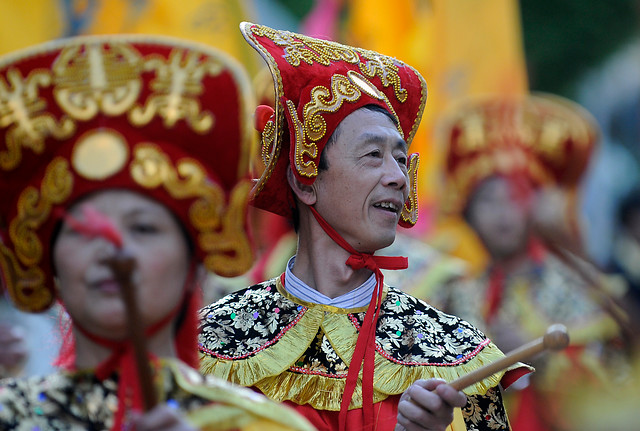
pixel 362 192
pixel 501 222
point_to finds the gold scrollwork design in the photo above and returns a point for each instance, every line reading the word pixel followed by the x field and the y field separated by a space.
pixel 221 229
pixel 25 286
pixel 268 141
pixel 94 78
pixel 321 102
pixel 409 212
pixel 34 208
pixel 152 168
pixel 554 133
pixel 386 69
pixel 176 86
pixel 472 133
pixel 228 248
pixel 22 112
pixel 307 168
pixel 299 48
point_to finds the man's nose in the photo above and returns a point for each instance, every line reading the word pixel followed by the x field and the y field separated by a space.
pixel 394 174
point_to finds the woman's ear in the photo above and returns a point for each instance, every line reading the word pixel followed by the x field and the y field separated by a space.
pixel 305 193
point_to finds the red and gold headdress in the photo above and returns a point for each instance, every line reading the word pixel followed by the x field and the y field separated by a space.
pixel 164 117
pixel 544 139
pixel 317 84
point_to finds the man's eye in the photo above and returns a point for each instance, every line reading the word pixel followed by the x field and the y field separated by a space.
pixel 375 153
pixel 402 160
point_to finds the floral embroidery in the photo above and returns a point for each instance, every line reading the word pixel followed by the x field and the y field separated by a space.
pixel 411 334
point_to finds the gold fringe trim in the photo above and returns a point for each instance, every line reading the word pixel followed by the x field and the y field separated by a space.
pixel 269 372
pixel 270 361
pixel 325 393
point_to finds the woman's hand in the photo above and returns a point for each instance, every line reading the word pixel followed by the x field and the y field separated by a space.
pixel 428 405
pixel 13 349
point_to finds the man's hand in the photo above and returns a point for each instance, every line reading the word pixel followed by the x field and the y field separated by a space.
pixel 162 418
pixel 428 405
pixel 13 349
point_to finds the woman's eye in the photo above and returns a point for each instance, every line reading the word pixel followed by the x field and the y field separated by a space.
pixel 144 228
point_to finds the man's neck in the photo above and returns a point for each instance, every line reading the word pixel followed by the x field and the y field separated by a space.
pixel 321 264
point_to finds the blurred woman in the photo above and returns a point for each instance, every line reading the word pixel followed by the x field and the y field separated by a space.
pixel 123 170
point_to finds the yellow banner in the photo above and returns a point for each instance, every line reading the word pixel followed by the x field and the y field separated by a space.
pixel 213 22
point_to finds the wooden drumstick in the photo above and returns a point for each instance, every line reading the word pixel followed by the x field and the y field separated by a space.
pixel 556 338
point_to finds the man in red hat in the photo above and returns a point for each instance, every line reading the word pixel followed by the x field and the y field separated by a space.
pixel 336 163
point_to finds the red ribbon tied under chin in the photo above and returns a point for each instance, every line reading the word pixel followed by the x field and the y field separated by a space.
pixel 363 354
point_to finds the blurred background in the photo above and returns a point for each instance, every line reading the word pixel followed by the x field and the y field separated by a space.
pixel 585 50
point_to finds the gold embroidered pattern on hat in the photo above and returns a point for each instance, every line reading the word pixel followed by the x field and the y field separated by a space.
pixel 221 228
pixel 24 286
pixel 176 80
pixel 94 78
pixel 409 211
pixel 227 244
pixel 99 154
pixel 322 101
pixel 307 168
pixel 267 141
pixel 34 208
pixel 301 48
pixel 385 68
pixel 24 113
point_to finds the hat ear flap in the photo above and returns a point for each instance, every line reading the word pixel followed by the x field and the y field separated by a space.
pixel 409 214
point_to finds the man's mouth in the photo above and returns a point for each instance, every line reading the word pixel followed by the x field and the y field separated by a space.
pixel 388 206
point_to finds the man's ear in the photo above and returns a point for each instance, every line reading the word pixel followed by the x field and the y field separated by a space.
pixel 305 193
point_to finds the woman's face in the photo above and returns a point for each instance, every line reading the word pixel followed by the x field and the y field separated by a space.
pixel 87 286
pixel 501 222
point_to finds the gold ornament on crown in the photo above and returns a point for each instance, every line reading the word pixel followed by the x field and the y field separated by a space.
pixel 23 114
pixel 177 85
pixel 96 78
pixel 25 280
pixel 220 226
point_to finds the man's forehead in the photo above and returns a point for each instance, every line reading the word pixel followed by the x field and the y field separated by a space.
pixel 366 126
pixel 371 137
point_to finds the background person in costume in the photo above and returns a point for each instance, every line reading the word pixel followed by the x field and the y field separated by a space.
pixel 502 153
pixel 133 145
pixel 336 162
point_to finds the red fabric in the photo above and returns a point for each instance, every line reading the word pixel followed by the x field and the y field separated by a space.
pixel 527 412
pixel 386 413
pixel 363 355
pixel 495 291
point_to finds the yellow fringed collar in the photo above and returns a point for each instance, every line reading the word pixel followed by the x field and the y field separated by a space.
pixel 298 351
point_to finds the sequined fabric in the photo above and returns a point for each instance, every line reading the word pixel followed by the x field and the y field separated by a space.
pixel 297 351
